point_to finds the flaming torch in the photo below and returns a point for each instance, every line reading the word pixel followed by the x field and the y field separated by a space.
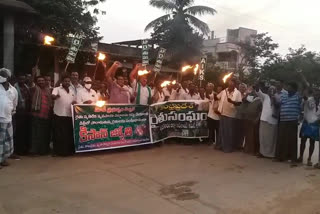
pixel 48 40
pixel 185 68
pixel 101 56
pixel 226 77
pixel 143 72
pixel 100 103
pixel 165 84
pixel 196 68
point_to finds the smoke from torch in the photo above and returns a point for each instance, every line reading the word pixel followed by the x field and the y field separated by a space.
pixel 226 77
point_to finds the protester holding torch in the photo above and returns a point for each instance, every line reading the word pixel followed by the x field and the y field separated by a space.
pixel 229 99
pixel 142 92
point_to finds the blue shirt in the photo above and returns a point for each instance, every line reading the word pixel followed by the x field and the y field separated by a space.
pixel 290 107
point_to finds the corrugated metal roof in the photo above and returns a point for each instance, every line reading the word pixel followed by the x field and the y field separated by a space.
pixel 18 6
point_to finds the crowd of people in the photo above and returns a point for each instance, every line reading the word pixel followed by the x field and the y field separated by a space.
pixel 261 119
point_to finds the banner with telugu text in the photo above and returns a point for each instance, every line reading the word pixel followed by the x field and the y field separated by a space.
pixel 109 127
pixel 182 119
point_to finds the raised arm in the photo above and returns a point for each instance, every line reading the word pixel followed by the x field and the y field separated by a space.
pixel 112 71
pixel 134 72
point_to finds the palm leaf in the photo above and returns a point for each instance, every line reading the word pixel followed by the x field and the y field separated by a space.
pixel 200 10
pixel 184 3
pixel 198 24
pixel 167 5
pixel 157 21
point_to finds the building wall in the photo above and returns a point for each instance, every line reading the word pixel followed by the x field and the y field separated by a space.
pixel 228 53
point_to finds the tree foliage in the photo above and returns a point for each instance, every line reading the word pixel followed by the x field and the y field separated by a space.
pixel 287 68
pixel 60 18
pixel 256 52
pixel 179 30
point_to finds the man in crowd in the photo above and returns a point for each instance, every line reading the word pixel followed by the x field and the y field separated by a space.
pixel 22 117
pixel 75 85
pixel 191 95
pixel 47 78
pixel 119 93
pixel 268 123
pixel 41 107
pixel 8 104
pixel 290 108
pixel 213 117
pixel 182 91
pixel 63 97
pixel 87 95
pixel 141 89
pixel 228 100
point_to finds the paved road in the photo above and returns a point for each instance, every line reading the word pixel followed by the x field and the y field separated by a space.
pixel 169 179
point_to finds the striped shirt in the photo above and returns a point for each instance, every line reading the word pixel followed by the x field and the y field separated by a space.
pixel 290 107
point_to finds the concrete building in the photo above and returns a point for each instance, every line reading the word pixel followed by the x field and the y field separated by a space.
pixel 10 10
pixel 227 51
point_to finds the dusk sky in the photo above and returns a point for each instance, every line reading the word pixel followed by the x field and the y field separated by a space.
pixel 290 22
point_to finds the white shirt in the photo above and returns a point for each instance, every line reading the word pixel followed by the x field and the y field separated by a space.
pixel 181 94
pixel 62 105
pixel 144 93
pixel 267 109
pixel 84 95
pixel 225 108
pixel 76 88
pixel 8 103
pixel 212 104
pixel 188 96
pixel 161 97
pixel 310 110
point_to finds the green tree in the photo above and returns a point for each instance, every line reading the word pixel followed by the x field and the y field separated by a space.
pixel 288 68
pixel 62 18
pixel 254 53
pixel 180 31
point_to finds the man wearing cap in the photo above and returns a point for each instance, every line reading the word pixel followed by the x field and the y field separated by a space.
pixel 87 95
pixel 8 104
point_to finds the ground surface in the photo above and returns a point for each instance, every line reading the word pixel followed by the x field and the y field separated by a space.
pixel 169 179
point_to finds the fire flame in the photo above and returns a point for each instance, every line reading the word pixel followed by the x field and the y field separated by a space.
pixel 143 72
pixel 101 56
pixel 48 40
pixel 185 68
pixel 226 77
pixel 165 83
pixel 100 103
pixel 196 68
